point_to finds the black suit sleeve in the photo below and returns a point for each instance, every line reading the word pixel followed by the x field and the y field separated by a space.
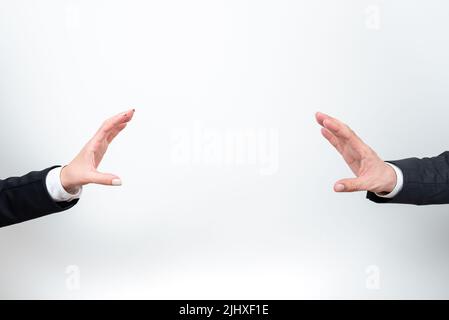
pixel 25 198
pixel 426 181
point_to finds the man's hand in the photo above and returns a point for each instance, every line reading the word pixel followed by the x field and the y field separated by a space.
pixel 372 173
pixel 83 169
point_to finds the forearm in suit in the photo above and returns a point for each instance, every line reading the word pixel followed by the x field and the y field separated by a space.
pixel 25 198
pixel 426 181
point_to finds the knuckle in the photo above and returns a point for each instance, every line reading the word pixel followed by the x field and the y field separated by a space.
pixel 355 186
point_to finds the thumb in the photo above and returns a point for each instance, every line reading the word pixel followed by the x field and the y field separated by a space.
pixel 350 185
pixel 107 179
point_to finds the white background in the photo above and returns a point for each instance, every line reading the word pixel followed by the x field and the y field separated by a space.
pixel 205 230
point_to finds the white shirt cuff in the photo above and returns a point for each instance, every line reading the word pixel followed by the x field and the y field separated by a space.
pixel 55 188
pixel 399 183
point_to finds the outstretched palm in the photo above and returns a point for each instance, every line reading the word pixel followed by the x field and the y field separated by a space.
pixel 83 169
pixel 372 173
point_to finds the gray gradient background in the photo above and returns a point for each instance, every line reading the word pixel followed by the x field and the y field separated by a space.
pixel 202 231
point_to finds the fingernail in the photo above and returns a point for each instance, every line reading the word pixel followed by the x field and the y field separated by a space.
pixel 339 187
pixel 116 182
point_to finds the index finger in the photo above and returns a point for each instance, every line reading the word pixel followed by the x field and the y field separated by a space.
pixel 338 128
pixel 115 121
pixel 320 117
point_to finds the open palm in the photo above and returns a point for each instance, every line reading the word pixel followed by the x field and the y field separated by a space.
pixel 84 168
pixel 372 173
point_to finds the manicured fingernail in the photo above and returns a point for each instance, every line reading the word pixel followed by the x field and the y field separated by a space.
pixel 116 182
pixel 339 187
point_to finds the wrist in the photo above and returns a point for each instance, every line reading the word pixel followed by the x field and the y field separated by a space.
pixel 67 180
pixel 390 180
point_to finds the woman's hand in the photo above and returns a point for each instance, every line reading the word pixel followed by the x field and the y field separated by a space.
pixel 372 173
pixel 83 169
